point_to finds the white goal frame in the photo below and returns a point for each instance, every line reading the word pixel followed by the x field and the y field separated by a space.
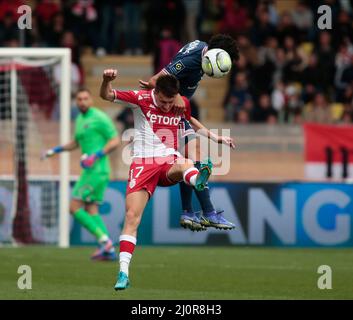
pixel 64 55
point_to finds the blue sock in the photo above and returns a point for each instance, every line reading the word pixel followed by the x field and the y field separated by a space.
pixel 204 196
pixel 205 200
pixel 186 196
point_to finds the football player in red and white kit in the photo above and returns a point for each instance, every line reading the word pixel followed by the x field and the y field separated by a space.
pixel 156 160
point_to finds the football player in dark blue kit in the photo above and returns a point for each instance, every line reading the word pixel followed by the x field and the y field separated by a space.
pixel 187 67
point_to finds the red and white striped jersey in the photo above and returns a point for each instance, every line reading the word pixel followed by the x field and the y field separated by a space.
pixel 156 132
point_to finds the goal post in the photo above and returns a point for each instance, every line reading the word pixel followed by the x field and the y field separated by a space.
pixel 22 70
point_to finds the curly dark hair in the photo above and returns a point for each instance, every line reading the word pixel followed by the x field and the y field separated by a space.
pixel 225 42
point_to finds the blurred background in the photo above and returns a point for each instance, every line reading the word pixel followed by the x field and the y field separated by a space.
pixel 288 101
pixel 289 72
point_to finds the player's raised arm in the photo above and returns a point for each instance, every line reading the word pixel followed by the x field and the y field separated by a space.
pixel 201 129
pixel 151 83
pixel 106 90
pixel 110 94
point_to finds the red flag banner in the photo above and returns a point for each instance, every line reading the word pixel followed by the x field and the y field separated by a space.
pixel 328 151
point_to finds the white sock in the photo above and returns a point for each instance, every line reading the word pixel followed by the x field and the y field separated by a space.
pixel 124 260
pixel 193 180
pixel 104 238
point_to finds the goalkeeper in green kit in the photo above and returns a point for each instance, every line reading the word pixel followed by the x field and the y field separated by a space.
pixel 97 136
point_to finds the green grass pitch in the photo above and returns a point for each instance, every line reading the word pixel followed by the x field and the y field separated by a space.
pixel 179 273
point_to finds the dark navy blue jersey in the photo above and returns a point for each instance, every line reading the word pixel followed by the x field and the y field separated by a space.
pixel 186 66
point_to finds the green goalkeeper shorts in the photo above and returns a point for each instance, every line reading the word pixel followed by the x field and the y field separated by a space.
pixel 91 187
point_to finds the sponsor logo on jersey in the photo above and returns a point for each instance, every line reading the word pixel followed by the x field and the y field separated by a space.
pixel 177 67
pixel 159 119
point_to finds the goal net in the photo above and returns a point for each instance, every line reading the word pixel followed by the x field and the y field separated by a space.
pixel 34 116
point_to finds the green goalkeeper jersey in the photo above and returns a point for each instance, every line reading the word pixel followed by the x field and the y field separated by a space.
pixel 93 130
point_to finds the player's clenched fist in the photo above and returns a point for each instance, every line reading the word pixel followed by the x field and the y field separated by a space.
pixel 109 74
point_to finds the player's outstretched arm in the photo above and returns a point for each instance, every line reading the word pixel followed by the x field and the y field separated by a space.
pixel 72 145
pixel 201 129
pixel 151 83
pixel 106 91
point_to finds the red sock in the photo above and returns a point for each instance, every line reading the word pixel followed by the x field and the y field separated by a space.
pixel 127 247
pixel 190 176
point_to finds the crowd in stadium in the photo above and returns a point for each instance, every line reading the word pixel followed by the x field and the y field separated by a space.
pixel 289 70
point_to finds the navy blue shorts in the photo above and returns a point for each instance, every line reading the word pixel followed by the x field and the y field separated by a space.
pixel 187 132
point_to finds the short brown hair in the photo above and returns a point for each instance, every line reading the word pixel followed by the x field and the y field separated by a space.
pixel 168 85
pixel 83 89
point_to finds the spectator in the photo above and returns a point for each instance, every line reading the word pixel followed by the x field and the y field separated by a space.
pixel 68 40
pixel 247 49
pixel 326 58
pixel 268 51
pixel 239 94
pixel 262 29
pixel 132 22
pixel 243 117
pixel 76 82
pixel 111 21
pixel 342 62
pixel 264 112
pixel 312 75
pixel 347 114
pixel 9 8
pixel 319 110
pixel 84 22
pixel 55 30
pixel 343 28
pixel 8 29
pixel 347 75
pixel 294 105
pixel 192 9
pixel 165 14
pixel 278 98
pixel 46 10
pixel 235 18
pixel 295 61
pixel 166 49
pixel 286 28
pixel 302 19
pixel 279 65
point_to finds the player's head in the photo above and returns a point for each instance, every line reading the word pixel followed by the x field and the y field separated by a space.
pixel 83 99
pixel 225 42
pixel 167 87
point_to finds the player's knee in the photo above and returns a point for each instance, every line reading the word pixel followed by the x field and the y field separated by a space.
pixel 186 164
pixel 132 217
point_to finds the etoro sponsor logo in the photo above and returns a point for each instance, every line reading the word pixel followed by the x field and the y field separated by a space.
pixel 156 118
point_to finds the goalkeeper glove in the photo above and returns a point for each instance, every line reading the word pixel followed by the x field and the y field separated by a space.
pixel 88 161
pixel 52 151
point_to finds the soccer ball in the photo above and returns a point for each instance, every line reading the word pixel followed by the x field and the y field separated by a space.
pixel 216 63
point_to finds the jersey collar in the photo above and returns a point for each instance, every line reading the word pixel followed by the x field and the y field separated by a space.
pixel 204 50
pixel 154 98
